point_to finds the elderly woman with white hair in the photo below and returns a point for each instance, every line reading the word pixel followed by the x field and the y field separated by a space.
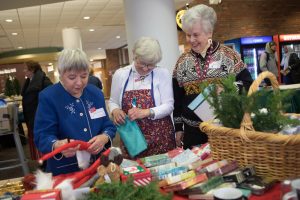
pixel 143 92
pixel 206 62
pixel 72 109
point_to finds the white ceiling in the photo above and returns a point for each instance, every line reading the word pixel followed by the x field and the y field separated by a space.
pixel 42 25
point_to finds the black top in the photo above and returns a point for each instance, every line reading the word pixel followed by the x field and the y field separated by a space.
pixel 95 81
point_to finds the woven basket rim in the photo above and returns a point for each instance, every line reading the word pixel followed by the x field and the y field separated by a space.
pixel 254 136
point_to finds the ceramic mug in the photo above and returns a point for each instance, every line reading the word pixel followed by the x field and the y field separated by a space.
pixel 295 194
pixel 228 194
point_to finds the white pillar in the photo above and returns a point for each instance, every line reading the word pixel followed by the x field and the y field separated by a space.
pixel 71 38
pixel 153 18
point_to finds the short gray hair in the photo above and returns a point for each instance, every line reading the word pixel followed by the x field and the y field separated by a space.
pixel 200 13
pixel 147 50
pixel 72 59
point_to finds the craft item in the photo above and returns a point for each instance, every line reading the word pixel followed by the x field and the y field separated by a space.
pixel 129 163
pixel 235 176
pixel 155 160
pixel 248 171
pixel 214 166
pixel 185 158
pixel 186 183
pixel 224 169
pixel 156 169
pixel 54 194
pixel 139 179
pixel 169 173
pixel 204 187
pixel 175 152
pixel 209 194
pixel 199 163
pixel 14 187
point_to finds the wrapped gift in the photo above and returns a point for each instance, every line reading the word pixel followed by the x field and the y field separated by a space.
pixel 141 175
pixel 54 194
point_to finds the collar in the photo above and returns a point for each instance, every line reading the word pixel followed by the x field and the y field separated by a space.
pixel 215 46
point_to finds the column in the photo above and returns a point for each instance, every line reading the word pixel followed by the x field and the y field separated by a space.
pixel 71 38
pixel 154 18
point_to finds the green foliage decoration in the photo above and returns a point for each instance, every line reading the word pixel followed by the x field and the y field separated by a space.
pixel 265 106
pixel 127 190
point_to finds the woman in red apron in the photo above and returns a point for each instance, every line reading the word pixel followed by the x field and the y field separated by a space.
pixel 143 92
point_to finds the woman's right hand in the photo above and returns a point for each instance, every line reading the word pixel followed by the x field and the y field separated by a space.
pixel 179 138
pixel 70 152
pixel 118 116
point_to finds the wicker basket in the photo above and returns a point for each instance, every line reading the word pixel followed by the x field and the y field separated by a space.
pixel 273 155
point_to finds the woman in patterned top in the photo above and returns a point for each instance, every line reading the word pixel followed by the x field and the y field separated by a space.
pixel 72 110
pixel 207 61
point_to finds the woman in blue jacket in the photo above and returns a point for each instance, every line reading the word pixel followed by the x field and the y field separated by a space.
pixel 72 110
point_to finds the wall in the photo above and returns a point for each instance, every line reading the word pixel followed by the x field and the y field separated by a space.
pixel 238 18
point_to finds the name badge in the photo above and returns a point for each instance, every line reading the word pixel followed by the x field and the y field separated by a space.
pixel 97 113
pixel 215 65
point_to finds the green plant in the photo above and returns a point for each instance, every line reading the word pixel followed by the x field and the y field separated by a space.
pixel 266 107
pixel 127 190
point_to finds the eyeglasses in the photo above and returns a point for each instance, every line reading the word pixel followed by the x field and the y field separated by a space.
pixel 148 66
pixel 144 65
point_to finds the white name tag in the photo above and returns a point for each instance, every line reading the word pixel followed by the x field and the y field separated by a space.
pixel 97 113
pixel 215 65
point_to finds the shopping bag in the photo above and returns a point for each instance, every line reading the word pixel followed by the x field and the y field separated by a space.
pixel 132 137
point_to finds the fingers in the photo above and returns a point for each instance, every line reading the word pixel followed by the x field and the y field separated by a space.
pixel 119 116
pixel 97 143
pixel 179 138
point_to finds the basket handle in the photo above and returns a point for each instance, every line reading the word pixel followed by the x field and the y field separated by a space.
pixel 246 124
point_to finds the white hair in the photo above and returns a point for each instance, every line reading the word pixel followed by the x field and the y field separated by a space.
pixel 147 50
pixel 203 14
pixel 72 59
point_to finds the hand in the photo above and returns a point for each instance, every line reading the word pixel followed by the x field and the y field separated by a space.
pixel 138 113
pixel 70 152
pixel 118 116
pixel 97 143
pixel 179 138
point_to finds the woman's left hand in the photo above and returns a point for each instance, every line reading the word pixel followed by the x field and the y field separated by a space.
pixel 97 143
pixel 138 113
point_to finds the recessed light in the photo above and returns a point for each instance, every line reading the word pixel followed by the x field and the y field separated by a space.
pixel 118 37
pixel 20 47
pixel 91 60
pixel 86 17
pixel 99 48
pixel 50 63
pixel 91 30
pixel 9 20
pixel 14 33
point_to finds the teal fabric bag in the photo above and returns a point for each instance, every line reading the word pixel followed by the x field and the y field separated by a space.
pixel 132 137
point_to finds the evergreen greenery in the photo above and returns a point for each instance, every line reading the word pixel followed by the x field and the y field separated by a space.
pixel 266 107
pixel 127 190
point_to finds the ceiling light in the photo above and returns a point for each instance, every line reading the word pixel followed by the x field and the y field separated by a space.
pixel 99 48
pixel 91 60
pixel 20 47
pixel 91 30
pixel 118 37
pixel 14 33
pixel 9 20
pixel 50 63
pixel 86 17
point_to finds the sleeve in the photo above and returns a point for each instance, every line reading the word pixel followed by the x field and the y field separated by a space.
pixel 178 101
pixel 108 127
pixel 45 125
pixel 115 92
pixel 166 95
pixel 263 62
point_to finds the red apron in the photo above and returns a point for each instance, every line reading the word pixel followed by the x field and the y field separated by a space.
pixel 159 133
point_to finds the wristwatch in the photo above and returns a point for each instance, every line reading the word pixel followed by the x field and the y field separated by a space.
pixel 152 114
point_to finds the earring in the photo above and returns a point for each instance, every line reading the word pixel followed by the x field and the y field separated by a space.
pixel 209 41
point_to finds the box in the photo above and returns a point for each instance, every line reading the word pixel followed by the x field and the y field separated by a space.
pixel 54 194
pixel 140 178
